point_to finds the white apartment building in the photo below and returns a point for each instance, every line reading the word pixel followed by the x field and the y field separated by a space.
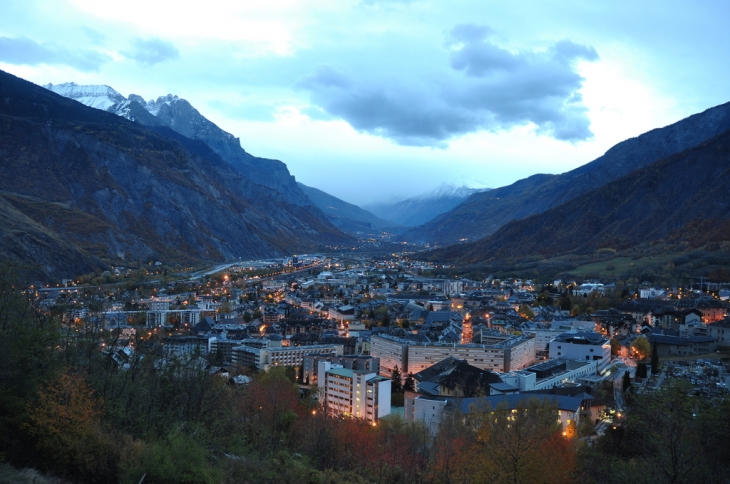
pixel 507 354
pixel 582 346
pixel 543 337
pixel 354 393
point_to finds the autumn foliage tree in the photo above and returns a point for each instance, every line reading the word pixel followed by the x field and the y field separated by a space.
pixel 524 444
pixel 66 420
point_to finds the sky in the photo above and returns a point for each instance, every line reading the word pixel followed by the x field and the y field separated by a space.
pixel 378 100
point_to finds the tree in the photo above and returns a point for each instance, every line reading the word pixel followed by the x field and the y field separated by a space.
pixel 291 373
pixel 654 360
pixel 526 312
pixel 615 346
pixel 521 445
pixel 66 421
pixel 627 381
pixel 641 348
pixel 397 385
pixel 385 321
pixel 410 384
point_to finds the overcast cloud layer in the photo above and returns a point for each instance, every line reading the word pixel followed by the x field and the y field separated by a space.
pixel 354 95
pixel 488 88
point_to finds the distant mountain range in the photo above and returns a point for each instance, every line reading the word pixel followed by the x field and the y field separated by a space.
pixel 179 115
pixel 485 213
pixel 83 188
pixel 423 208
pixel 347 217
pixel 682 200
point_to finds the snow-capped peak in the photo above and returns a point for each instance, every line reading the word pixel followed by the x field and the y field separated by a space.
pixel 153 106
pixel 448 190
pixel 99 97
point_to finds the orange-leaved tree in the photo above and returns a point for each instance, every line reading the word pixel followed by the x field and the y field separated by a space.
pixel 66 421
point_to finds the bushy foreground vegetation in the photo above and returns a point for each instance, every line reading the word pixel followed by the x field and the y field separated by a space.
pixel 70 411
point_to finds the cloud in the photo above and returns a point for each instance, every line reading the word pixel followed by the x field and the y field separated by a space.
pixel 25 51
pixel 152 51
pixel 403 113
pixel 94 35
pixel 253 111
pixel 316 113
pixel 486 88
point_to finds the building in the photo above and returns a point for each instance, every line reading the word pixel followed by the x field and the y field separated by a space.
pixel 264 358
pixel 350 362
pixel 543 337
pixel 224 347
pixel 667 345
pixel 502 353
pixel 342 313
pixel 457 378
pixel 720 332
pixel 200 345
pixel 550 374
pixel 354 393
pixel 582 346
pixel 432 409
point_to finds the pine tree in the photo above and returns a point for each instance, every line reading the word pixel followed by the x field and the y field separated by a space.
pixel 410 384
pixel 654 360
pixel 397 385
pixel 627 381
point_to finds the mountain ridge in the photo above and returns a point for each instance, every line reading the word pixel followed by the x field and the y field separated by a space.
pixel 484 213
pixel 348 217
pixel 178 114
pixel 108 190
pixel 681 200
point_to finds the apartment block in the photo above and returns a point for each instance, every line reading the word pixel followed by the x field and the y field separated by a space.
pixel 502 354
pixel 351 362
pixel 264 358
pixel 354 393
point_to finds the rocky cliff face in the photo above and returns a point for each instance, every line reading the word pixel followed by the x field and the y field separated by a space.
pixel 182 117
pixel 85 187
pixel 484 213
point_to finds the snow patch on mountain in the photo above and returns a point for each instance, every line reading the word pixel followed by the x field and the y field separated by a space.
pixel 448 190
pixel 99 97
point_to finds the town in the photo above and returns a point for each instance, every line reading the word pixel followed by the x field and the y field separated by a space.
pixel 368 338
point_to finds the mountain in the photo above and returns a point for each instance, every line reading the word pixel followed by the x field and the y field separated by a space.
pixel 347 217
pixel 484 213
pixel 82 188
pixel 182 117
pixel 99 97
pixel 422 208
pixel 682 200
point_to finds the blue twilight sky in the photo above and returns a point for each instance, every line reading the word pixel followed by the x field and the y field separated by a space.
pixel 378 99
